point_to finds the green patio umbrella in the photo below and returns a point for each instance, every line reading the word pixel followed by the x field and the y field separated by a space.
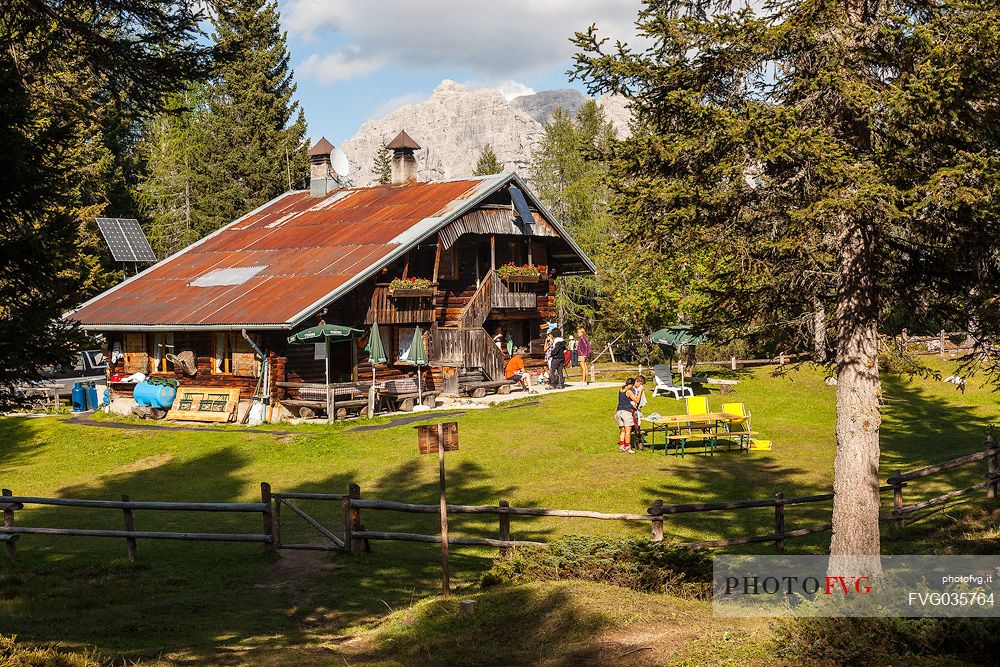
pixel 417 356
pixel 326 332
pixel 376 355
pixel 677 335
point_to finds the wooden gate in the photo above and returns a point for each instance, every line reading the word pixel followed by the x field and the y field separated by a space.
pixel 332 542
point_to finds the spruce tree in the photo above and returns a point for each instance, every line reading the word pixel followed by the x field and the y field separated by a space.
pixel 841 152
pixel 255 132
pixel 382 166
pixel 488 163
pixel 76 78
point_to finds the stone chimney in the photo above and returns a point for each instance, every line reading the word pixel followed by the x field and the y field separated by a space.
pixel 322 180
pixel 404 163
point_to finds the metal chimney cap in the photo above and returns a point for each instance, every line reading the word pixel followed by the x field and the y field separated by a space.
pixel 321 147
pixel 403 141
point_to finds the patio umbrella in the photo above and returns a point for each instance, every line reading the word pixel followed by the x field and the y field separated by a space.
pixel 417 356
pixel 376 354
pixel 677 335
pixel 326 332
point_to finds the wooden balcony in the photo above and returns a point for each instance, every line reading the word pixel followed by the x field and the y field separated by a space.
pixel 516 295
pixel 385 309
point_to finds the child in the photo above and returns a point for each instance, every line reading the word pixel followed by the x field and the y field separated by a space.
pixel 624 417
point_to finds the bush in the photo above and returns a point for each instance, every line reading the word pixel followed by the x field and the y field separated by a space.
pixel 882 641
pixel 13 654
pixel 637 564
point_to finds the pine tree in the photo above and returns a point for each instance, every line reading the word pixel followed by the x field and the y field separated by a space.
pixel 569 170
pixel 76 78
pixel 255 131
pixel 488 163
pixel 841 152
pixel 382 167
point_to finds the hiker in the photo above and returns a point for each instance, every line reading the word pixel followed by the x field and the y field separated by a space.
pixel 583 351
pixel 515 370
pixel 548 358
pixel 498 339
pixel 557 379
pixel 624 417
pixel 571 346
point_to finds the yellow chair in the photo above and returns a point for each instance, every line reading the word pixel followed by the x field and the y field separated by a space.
pixel 742 422
pixel 697 405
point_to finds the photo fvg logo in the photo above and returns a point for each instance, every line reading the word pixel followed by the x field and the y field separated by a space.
pixel 791 585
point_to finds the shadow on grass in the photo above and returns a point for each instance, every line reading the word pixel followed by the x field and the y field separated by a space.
pixel 198 597
pixel 18 441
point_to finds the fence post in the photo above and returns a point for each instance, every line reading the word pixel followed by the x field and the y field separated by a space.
pixel 656 525
pixel 504 529
pixel 897 499
pixel 357 545
pixel 941 339
pixel 277 520
pixel 732 362
pixel 8 522
pixel 779 521
pixel 265 497
pixel 992 449
pixel 133 547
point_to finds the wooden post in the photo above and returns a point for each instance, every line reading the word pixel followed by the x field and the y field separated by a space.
pixel 941 339
pixel 504 529
pixel 8 522
pixel 779 521
pixel 656 527
pixel 265 497
pixel 445 584
pixel 992 448
pixel 732 363
pixel 357 544
pixel 466 608
pixel 133 547
pixel 493 252
pixel 897 499
pixel 277 522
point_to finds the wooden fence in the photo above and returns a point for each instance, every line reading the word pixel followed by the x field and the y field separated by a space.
pixel 10 532
pixel 356 537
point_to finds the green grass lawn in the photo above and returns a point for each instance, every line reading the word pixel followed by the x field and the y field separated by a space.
pixel 205 601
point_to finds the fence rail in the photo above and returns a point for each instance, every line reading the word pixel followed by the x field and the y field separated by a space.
pixel 356 537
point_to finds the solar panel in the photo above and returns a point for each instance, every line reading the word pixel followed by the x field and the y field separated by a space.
pixel 125 239
pixel 521 204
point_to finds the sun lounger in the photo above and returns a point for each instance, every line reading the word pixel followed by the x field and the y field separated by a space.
pixel 663 377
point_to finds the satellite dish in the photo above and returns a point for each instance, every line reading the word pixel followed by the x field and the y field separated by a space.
pixel 340 163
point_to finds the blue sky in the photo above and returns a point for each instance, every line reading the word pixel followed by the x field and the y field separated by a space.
pixel 356 60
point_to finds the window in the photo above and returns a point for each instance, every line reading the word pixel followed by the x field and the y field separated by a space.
pixel 136 357
pixel 163 344
pixel 404 341
pixel 231 354
pixel 448 266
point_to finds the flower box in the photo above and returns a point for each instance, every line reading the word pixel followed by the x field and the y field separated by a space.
pixel 522 278
pixel 410 292
pixel 512 273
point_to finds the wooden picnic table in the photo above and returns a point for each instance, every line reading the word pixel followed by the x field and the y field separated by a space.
pixel 677 423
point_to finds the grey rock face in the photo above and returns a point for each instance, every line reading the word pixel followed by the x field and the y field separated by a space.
pixel 455 123
pixel 541 106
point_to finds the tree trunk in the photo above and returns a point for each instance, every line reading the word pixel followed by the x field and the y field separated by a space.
pixel 819 330
pixel 855 471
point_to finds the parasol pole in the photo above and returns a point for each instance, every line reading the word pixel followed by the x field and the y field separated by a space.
pixel 326 369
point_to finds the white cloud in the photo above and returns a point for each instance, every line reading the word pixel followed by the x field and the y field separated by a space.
pixel 496 39
pixel 340 65
pixel 511 89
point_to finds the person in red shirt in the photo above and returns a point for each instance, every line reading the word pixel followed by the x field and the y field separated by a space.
pixel 515 371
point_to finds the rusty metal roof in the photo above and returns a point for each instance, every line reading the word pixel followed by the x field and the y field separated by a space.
pixel 280 263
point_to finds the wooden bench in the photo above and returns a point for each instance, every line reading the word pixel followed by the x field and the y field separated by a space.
pixel 711 439
pixel 307 409
pixel 479 389
pixel 725 386
pixel 406 402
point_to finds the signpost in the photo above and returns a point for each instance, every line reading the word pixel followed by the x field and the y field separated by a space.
pixel 440 438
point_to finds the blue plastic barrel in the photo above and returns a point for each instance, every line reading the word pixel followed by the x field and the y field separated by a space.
pixel 154 395
pixel 79 397
pixel 92 403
